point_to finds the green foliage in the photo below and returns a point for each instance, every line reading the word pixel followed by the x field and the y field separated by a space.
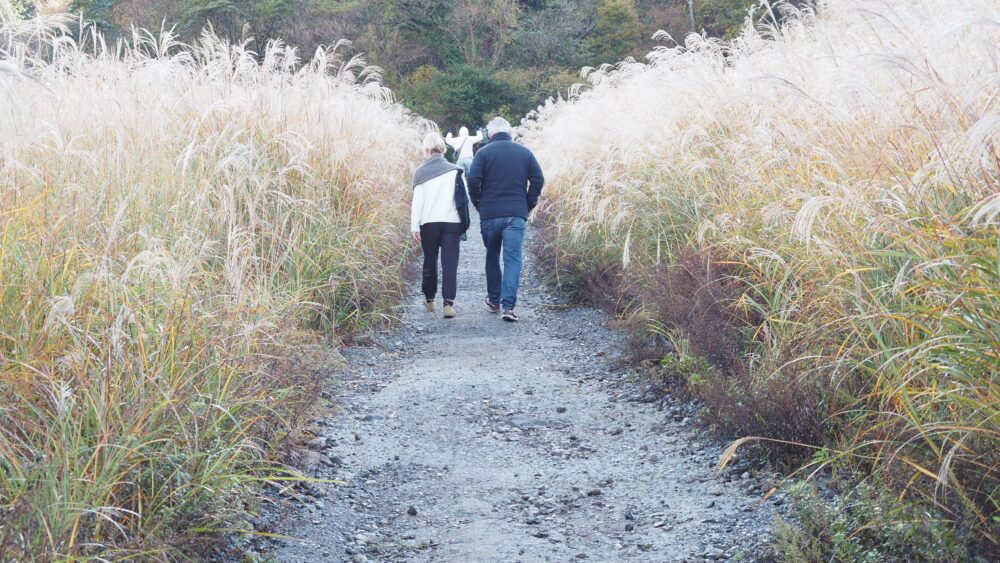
pixel 683 365
pixel 464 95
pixel 521 51
pixel 722 18
pixel 863 525
pixel 259 19
pixel 97 12
pixel 616 30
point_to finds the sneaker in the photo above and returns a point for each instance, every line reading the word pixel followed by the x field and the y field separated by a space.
pixel 429 305
pixel 510 316
pixel 493 307
pixel 449 312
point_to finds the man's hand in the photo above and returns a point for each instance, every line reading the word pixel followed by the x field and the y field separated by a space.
pixel 416 236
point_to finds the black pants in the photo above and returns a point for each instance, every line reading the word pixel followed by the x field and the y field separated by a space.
pixel 443 238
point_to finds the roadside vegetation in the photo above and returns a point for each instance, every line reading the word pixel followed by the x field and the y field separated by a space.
pixel 175 220
pixel 814 210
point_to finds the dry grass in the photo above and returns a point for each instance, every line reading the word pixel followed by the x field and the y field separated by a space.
pixel 172 219
pixel 845 170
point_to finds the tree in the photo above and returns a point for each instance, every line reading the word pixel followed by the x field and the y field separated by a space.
pixel 616 30
pixel 260 19
pixel 722 18
pixel 463 95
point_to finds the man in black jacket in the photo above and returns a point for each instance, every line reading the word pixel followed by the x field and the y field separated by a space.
pixel 504 184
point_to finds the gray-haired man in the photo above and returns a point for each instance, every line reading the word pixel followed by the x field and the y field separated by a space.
pixel 504 184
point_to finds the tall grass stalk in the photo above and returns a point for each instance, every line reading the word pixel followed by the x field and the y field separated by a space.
pixel 844 172
pixel 173 218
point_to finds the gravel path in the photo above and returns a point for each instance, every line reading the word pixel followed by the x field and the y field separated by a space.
pixel 476 440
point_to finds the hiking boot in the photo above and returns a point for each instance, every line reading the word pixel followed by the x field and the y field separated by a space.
pixel 510 316
pixel 493 307
pixel 429 305
pixel 449 312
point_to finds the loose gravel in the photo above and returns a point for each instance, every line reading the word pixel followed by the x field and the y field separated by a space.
pixel 472 439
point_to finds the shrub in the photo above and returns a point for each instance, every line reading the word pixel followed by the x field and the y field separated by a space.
pixel 863 525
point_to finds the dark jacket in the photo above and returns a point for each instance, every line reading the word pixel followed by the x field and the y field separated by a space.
pixel 505 179
pixel 462 201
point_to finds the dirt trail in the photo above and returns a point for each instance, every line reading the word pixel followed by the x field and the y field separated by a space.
pixel 476 440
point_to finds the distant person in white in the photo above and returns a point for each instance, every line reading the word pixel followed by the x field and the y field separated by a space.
pixel 438 219
pixel 463 147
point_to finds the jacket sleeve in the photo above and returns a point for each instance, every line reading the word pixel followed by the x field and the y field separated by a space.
pixel 462 201
pixel 535 182
pixel 416 208
pixel 475 180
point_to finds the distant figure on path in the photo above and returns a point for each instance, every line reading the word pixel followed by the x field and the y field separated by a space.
pixel 463 148
pixel 504 184
pixel 439 217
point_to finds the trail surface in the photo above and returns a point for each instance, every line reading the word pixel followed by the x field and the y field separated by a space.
pixel 473 440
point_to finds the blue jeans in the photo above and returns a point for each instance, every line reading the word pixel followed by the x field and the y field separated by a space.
pixel 506 233
pixel 466 164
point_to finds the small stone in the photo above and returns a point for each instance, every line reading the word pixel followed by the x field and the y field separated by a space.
pixel 412 511
pixel 710 504
pixel 318 443
pixel 629 527
pixel 594 492
pixel 541 534
pixel 745 475
pixel 629 515
pixel 560 410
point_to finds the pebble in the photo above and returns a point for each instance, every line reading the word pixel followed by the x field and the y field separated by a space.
pixel 412 511
pixel 318 443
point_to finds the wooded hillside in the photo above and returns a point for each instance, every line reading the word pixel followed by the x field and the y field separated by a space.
pixel 450 61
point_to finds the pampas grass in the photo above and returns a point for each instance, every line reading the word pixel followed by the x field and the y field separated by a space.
pixel 845 167
pixel 172 219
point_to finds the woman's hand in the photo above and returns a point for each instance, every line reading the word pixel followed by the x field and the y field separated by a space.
pixel 416 236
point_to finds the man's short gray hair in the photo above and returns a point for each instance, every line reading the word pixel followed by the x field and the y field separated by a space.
pixel 434 143
pixel 498 125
